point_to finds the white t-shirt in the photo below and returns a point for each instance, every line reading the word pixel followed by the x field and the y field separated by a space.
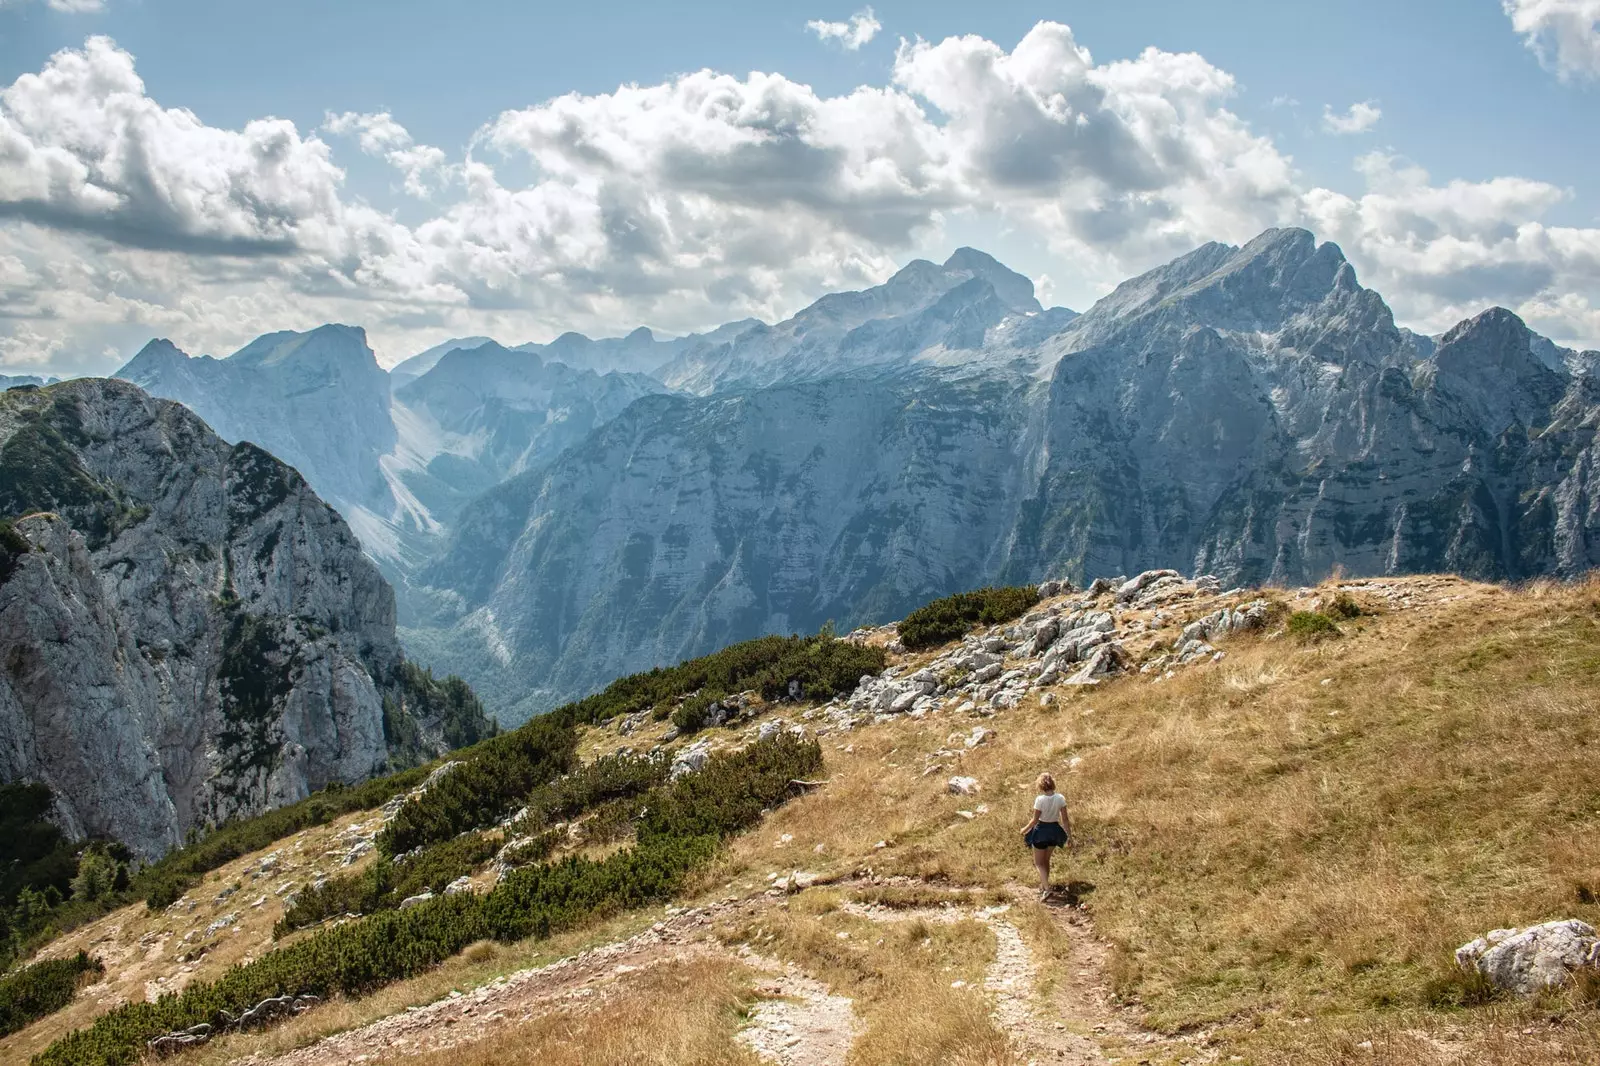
pixel 1049 806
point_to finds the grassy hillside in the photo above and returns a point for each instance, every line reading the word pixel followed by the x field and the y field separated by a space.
pixel 1279 852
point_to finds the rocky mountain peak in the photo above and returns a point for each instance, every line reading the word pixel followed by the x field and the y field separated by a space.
pixel 330 348
pixel 424 361
pixel 1016 290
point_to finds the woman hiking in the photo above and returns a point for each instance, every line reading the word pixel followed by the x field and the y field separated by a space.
pixel 1050 828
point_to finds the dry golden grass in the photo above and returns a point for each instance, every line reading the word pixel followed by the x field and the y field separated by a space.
pixel 915 983
pixel 477 965
pixel 1285 863
pixel 1262 847
pixel 141 950
pixel 683 1014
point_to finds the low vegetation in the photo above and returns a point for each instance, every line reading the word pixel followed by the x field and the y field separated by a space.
pixel 42 988
pixel 1308 627
pixel 954 616
pixel 681 831
pixel 487 786
pixel 821 666
pixel 496 775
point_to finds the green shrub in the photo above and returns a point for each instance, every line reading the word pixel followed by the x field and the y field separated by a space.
pixel 41 989
pixel 489 785
pixel 534 849
pixel 1344 606
pixel 685 821
pixel 823 665
pixel 387 883
pixel 1311 626
pixel 952 617
pixel 609 778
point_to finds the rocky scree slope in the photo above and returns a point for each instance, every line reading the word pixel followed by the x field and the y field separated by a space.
pixel 187 633
pixel 1250 412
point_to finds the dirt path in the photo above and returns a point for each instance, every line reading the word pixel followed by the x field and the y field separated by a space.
pixel 1078 1023
pixel 464 1018
pixel 798 1022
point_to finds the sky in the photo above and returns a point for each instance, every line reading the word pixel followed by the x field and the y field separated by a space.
pixel 210 170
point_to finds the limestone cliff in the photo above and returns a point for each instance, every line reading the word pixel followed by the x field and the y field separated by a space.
pixel 187 632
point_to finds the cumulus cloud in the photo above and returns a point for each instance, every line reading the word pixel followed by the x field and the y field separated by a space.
pixel 703 198
pixel 862 27
pixel 86 149
pixel 422 166
pixel 1565 34
pixel 1359 119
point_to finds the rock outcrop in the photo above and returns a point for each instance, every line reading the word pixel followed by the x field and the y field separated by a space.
pixel 1528 960
pixel 187 632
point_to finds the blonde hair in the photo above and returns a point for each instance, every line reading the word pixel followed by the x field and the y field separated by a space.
pixel 1046 783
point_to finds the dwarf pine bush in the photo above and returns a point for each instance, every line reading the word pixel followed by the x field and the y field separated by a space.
pixel 685 822
pixel 41 989
pixel 945 620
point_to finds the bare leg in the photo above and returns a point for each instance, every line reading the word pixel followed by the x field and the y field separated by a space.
pixel 1041 860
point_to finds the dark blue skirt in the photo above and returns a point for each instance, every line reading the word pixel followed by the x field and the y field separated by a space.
pixel 1047 835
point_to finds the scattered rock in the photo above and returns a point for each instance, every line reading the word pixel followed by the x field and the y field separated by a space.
pixel 412 901
pixel 1527 960
pixel 962 786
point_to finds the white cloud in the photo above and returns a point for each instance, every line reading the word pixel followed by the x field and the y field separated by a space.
pixel 703 198
pixel 862 27
pixel 422 166
pixel 1359 119
pixel 1565 34
pixel 73 7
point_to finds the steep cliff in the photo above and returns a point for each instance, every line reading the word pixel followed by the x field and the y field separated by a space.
pixel 187 632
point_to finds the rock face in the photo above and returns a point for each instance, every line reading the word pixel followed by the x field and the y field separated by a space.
pixel 684 525
pixel 1252 413
pixel 1528 960
pixel 187 632
pixel 970 310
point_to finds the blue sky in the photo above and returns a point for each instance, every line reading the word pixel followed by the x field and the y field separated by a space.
pixel 1473 178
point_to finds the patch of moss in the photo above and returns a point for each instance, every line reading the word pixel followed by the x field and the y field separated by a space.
pixel 257 483
pixel 13 546
pixel 253 679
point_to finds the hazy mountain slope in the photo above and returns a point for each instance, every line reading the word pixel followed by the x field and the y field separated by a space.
pixel 317 400
pixel 1252 412
pixel 685 524
pixel 925 312
pixel 188 632
pixel 411 369
pixel 483 414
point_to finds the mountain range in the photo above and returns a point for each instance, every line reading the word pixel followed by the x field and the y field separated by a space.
pixel 555 515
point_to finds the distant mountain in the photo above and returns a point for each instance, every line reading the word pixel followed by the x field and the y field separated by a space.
pixel 424 361
pixel 12 381
pixel 189 633
pixel 957 313
pixel 1252 412
pixel 483 414
pixel 640 352
pixel 317 400
pixel 396 460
